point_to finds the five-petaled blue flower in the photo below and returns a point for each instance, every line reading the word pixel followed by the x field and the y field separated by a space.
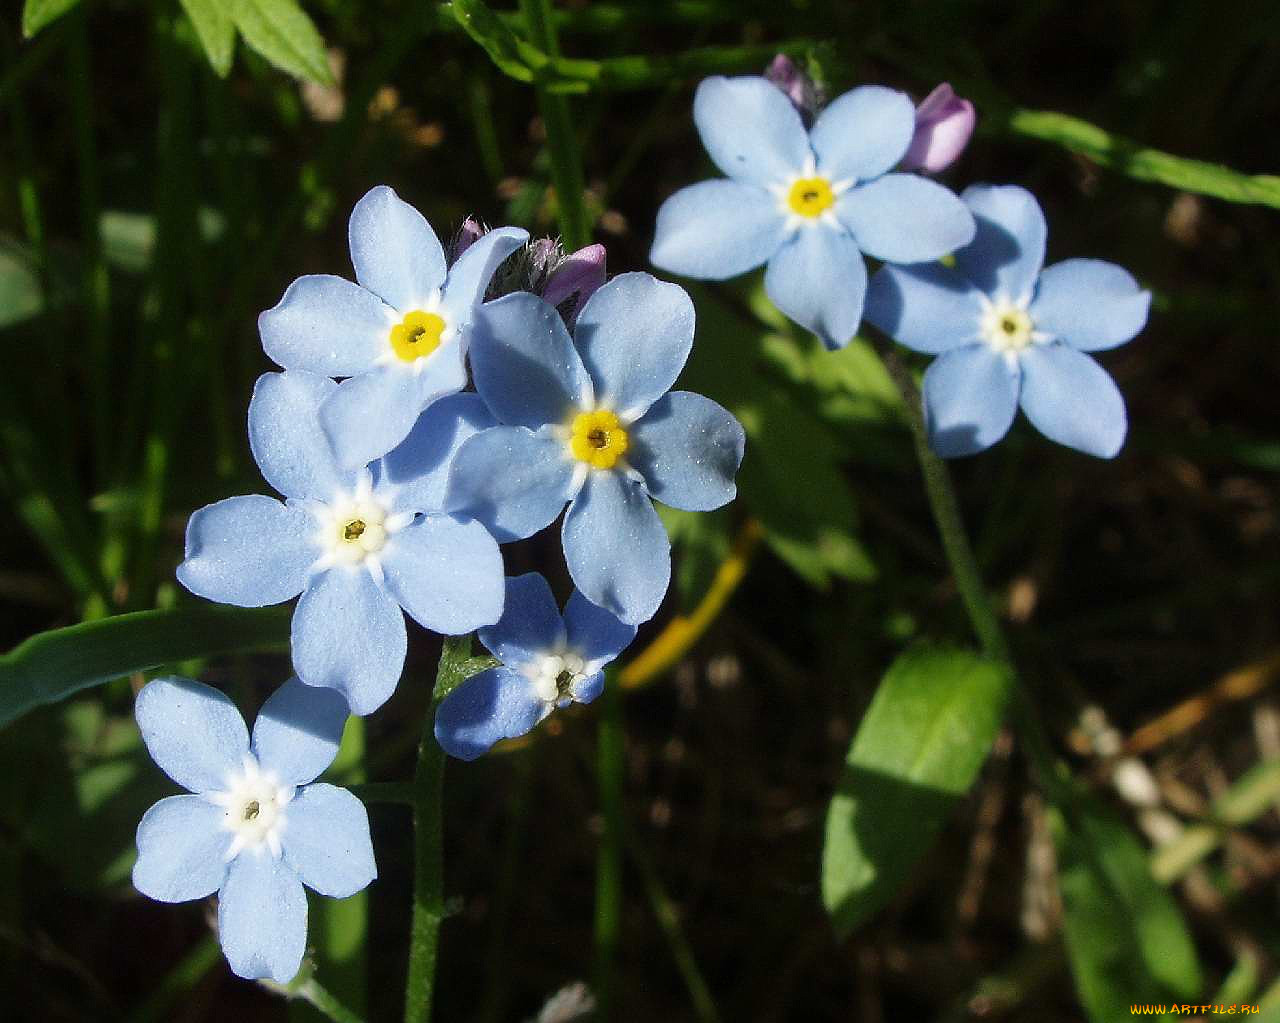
pixel 807 203
pixel 359 545
pixel 547 662
pixel 258 827
pixel 1007 333
pixel 588 420
pixel 400 335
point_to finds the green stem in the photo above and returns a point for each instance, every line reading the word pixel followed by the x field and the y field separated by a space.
pixel 973 593
pixel 609 771
pixel 325 1003
pixel 428 834
pixel 562 141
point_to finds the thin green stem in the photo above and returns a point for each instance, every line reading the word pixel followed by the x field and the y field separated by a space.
pixel 609 772
pixel 324 1002
pixel 428 835
pixel 562 141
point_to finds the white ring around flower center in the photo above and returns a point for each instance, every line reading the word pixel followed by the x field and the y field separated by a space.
pixel 556 675
pixel 1007 327
pixel 355 528
pixel 254 804
pixel 819 188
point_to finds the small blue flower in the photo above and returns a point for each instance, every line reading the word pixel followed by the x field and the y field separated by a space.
pixel 807 203
pixel 359 545
pixel 1008 333
pixel 589 421
pixel 400 335
pixel 258 827
pixel 547 662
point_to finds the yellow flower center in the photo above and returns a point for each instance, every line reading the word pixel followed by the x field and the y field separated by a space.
pixel 417 335
pixel 598 439
pixel 811 197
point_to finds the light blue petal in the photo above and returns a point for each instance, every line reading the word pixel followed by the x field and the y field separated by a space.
pixel 524 363
pixel 589 688
pixel 688 450
pixel 596 634
pixel 530 624
pixel 634 335
pixel 181 847
pixel 928 307
pixel 396 254
pixel 286 439
pixel 1072 400
pixel 863 133
pixel 1007 251
pixel 348 634
pixel 904 218
pixel 1089 304
pixel 192 731
pixel 717 229
pixel 469 276
pixel 262 918
pixel 298 731
pixel 250 551
pixel 415 473
pixel 327 841
pixel 493 705
pixel 512 480
pixel 616 549
pixel 819 279
pixel 750 129
pixel 326 325
pixel 970 397
pixel 370 414
pixel 446 573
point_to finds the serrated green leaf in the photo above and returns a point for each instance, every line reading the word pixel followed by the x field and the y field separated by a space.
pixel 216 30
pixel 36 14
pixel 281 31
pixel 1126 937
pixel 917 750
pixel 20 294
pixel 52 665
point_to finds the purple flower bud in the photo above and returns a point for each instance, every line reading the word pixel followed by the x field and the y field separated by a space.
pixel 581 273
pixel 470 230
pixel 944 123
pixel 799 87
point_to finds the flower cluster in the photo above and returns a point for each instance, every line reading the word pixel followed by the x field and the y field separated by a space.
pixel 398 484
pixel 808 191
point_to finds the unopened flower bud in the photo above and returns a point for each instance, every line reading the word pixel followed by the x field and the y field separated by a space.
pixel 803 92
pixel 580 274
pixel 944 124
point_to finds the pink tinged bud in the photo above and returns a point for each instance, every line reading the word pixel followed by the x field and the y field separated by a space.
pixel 581 273
pixel 467 233
pixel 798 86
pixel 944 124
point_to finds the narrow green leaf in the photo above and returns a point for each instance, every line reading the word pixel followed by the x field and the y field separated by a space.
pixel 36 14
pixel 216 30
pixel 52 665
pixel 498 41
pixel 281 31
pixel 917 751
pixel 20 294
pixel 1126 937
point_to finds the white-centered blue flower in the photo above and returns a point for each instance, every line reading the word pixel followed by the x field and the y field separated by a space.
pixel 258 826
pixel 588 420
pixel 358 545
pixel 807 203
pixel 548 661
pixel 399 335
pixel 1008 333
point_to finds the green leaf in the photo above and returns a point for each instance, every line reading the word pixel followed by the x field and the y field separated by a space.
pixel 36 14
pixel 216 30
pixel 52 665
pixel 917 751
pixel 1126 937
pixel 281 31
pixel 498 41
pixel 20 294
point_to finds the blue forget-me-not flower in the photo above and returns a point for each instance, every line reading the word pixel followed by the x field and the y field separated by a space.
pixel 258 826
pixel 588 420
pixel 1007 333
pixel 548 661
pixel 358 545
pixel 399 335
pixel 806 203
